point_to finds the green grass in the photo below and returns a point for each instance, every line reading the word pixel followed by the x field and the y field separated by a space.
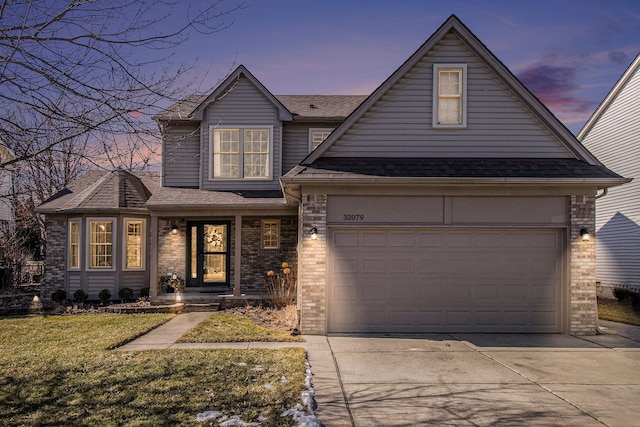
pixel 225 327
pixel 619 311
pixel 60 370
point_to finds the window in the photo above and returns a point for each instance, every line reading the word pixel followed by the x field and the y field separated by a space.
pixel 449 95
pixel 134 243
pixel 241 153
pixel 100 244
pixel 270 234
pixel 74 245
pixel 317 136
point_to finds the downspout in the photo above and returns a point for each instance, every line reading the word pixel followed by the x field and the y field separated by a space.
pixel 599 329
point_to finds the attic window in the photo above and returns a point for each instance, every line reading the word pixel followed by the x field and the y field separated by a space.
pixel 317 136
pixel 449 95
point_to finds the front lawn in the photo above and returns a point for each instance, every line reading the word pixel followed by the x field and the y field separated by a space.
pixel 619 311
pixel 226 327
pixel 60 370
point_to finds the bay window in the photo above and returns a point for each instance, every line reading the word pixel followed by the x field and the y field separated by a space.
pixel 100 244
pixel 134 244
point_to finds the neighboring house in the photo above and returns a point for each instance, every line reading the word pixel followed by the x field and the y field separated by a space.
pixel 613 134
pixel 449 200
pixel 6 185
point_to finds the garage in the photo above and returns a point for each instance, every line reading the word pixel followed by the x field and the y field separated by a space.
pixel 400 280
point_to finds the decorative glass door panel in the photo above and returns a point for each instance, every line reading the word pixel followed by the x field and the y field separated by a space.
pixel 208 254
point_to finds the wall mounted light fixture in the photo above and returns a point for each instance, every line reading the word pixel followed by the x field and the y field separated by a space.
pixel 584 233
pixel 174 229
pixel 314 233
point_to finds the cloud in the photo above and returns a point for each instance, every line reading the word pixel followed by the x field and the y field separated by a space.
pixel 619 57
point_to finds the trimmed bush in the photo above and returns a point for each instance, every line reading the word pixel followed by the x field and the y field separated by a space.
pixel 80 296
pixel 126 294
pixel 144 292
pixel 105 296
pixel 59 296
pixel 622 292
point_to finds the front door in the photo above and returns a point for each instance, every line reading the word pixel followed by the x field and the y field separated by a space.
pixel 208 254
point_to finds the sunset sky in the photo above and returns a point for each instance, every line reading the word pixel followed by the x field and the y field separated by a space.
pixel 569 53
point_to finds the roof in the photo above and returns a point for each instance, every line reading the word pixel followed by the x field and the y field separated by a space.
pixel 335 167
pixel 453 24
pixel 104 191
pixel 613 94
pixel 166 198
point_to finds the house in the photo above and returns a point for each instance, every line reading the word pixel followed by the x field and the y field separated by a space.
pixel 448 200
pixel 6 184
pixel 613 134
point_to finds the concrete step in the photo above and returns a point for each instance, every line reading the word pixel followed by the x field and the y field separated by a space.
pixel 190 307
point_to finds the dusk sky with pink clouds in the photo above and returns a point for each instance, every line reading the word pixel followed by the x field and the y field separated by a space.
pixel 569 53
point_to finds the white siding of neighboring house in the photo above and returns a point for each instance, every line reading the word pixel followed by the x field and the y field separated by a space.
pixel 243 105
pixel 181 156
pixel 498 123
pixel 615 140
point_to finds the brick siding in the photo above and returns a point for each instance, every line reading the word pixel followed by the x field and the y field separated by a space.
pixel 55 258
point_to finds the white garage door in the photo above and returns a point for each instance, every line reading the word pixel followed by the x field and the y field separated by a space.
pixel 462 280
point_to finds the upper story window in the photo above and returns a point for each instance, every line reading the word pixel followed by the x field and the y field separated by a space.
pixel 134 243
pixel 241 153
pixel 317 136
pixel 449 95
pixel 101 243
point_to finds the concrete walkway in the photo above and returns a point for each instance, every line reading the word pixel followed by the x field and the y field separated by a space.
pixel 460 379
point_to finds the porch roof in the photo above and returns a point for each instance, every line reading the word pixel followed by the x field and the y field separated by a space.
pixel 167 198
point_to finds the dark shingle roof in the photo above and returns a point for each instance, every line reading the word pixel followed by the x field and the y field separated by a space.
pixel 104 190
pixel 309 106
pixel 454 168
pixel 189 198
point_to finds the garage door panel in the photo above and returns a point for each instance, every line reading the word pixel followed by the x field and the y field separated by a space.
pixel 475 281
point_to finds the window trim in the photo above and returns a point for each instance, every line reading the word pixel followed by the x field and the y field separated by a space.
pixel 312 130
pixel 241 153
pixel 143 243
pixel 114 234
pixel 437 68
pixel 262 233
pixel 70 266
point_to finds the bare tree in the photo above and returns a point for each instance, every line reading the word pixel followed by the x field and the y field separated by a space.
pixel 94 69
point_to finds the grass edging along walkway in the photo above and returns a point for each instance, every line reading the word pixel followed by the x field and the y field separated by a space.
pixel 58 370
pixel 619 311
pixel 223 327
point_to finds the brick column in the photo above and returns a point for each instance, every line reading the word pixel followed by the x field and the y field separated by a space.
pixel 55 263
pixel 583 306
pixel 312 265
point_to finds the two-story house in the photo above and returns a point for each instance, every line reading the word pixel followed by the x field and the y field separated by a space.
pixel 448 200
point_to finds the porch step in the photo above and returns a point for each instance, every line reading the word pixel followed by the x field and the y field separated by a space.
pixel 190 307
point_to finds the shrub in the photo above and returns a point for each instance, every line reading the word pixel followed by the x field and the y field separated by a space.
pixel 171 283
pixel 59 296
pixel 144 292
pixel 281 289
pixel 80 296
pixel 126 294
pixel 621 292
pixel 105 296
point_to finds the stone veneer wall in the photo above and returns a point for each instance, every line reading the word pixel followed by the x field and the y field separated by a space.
pixel 257 261
pixel 313 265
pixel 583 306
pixel 55 259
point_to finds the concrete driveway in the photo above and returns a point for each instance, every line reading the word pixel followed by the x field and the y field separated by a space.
pixel 478 379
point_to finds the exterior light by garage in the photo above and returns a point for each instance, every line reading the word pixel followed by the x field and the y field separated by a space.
pixel 174 229
pixel 585 234
pixel 314 233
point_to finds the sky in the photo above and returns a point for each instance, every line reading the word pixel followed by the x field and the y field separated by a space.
pixel 569 53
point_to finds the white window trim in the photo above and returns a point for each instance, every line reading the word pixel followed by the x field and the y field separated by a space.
pixel 262 223
pixel 240 128
pixel 312 130
pixel 114 234
pixel 143 252
pixel 79 222
pixel 436 69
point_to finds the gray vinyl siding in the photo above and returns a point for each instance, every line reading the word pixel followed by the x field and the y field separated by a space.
pixel 400 123
pixel 295 142
pixel 615 141
pixel 181 155
pixel 243 105
pixel 97 281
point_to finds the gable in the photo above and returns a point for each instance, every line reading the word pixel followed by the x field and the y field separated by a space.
pixel 499 124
